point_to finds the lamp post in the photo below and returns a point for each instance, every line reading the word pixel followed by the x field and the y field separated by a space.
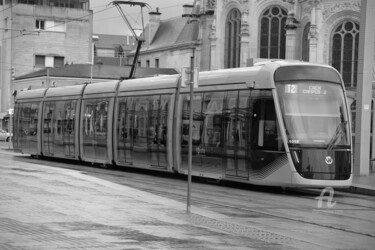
pixel 188 208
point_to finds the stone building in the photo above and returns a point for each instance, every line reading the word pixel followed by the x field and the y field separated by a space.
pixel 168 43
pixel 112 49
pixel 41 33
pixel 229 33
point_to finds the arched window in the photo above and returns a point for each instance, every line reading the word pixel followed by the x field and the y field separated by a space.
pixel 272 33
pixel 232 39
pixel 306 43
pixel 345 40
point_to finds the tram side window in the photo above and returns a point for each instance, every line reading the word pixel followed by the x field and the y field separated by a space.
pixel 121 120
pixel 69 117
pixel 58 122
pixel 197 119
pixel 141 119
pixel 28 119
pixel 34 118
pixel 265 129
pixel 25 119
pixel 88 118
pixel 49 118
pixel 213 116
pixel 16 127
pixel 163 119
pixel 95 117
pixel 101 117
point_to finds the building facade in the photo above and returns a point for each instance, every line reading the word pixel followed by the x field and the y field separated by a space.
pixel 168 43
pixel 38 34
pixel 229 33
pixel 112 49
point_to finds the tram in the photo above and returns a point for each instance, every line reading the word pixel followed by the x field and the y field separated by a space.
pixel 278 123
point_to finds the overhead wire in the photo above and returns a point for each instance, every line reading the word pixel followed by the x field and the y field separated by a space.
pixel 11 6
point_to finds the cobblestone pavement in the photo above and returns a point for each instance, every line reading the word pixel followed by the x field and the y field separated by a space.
pixel 50 208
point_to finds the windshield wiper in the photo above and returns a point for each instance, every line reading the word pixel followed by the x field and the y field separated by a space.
pixel 336 135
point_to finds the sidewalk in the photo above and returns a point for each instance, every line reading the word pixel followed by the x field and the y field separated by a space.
pixel 51 208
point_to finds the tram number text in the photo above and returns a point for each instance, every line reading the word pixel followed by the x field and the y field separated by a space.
pixel 291 88
pixel 294 141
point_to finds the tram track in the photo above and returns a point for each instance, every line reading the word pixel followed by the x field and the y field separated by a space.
pixel 337 198
pixel 148 181
pixel 245 209
pixel 301 193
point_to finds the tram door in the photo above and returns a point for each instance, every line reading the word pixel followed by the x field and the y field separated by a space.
pixel 26 127
pixel 157 131
pixel 142 124
pixel 267 149
pixel 55 134
pixel 140 134
pixel 125 130
pixel 68 127
pixel 236 115
pixel 95 129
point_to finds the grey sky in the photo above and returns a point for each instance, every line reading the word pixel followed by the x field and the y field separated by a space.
pixel 107 19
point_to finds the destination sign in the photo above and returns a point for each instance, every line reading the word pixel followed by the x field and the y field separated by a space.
pixel 305 89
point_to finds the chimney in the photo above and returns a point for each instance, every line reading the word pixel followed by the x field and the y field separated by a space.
pixel 153 23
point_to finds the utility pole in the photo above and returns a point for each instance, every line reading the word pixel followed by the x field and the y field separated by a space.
pixel 189 78
pixel 188 209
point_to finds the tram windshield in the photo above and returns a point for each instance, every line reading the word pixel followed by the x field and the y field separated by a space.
pixel 314 114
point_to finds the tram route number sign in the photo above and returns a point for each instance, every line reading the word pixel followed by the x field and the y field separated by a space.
pixel 305 89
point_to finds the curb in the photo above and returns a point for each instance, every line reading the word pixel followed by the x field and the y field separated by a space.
pixel 358 189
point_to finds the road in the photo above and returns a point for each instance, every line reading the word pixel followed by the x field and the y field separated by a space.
pixel 347 222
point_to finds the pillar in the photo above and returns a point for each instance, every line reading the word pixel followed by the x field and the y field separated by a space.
pixel 364 88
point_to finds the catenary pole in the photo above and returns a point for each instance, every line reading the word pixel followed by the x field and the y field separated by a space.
pixel 190 131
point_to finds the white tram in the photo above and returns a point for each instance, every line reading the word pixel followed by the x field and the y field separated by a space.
pixel 278 123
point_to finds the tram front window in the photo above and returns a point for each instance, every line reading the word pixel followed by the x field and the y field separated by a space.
pixel 314 114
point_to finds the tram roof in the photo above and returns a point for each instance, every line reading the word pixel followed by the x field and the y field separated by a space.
pixel 31 94
pixel 160 82
pixel 101 87
pixel 260 75
pixel 72 90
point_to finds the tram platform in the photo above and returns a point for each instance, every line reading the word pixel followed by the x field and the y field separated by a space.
pixel 363 184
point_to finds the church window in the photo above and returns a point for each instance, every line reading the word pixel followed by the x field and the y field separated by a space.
pixel 344 55
pixel 272 33
pixel 232 39
pixel 306 43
